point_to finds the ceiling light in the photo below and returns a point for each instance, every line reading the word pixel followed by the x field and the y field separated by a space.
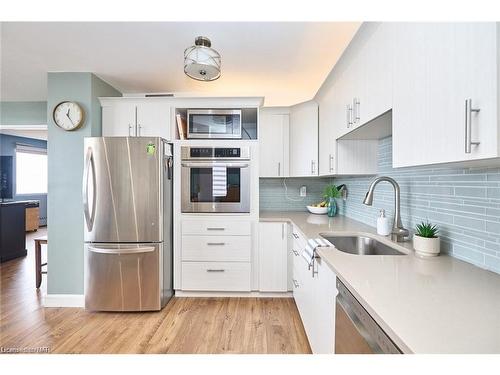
pixel 201 62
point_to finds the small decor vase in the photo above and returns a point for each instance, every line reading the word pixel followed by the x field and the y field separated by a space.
pixel 426 247
pixel 332 207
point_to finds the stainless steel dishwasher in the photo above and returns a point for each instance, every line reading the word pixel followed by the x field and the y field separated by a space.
pixel 356 332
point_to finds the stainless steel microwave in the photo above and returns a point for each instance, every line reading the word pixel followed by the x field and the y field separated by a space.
pixel 214 123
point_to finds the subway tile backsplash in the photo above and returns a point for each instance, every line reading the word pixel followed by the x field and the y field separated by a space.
pixel 463 202
pixel 274 196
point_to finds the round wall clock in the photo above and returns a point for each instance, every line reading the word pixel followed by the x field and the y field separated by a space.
pixel 69 115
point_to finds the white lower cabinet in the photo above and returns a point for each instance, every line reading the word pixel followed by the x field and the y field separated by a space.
pixel 314 296
pixel 216 276
pixel 221 248
pixel 216 255
pixel 273 257
pixel 324 291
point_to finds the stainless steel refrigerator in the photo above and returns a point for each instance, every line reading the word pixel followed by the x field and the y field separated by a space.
pixel 127 206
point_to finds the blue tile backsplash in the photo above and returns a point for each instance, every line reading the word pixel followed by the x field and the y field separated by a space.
pixel 273 196
pixel 463 202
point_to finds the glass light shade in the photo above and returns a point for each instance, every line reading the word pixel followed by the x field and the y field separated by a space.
pixel 202 63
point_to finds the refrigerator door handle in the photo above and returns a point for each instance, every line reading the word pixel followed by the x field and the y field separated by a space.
pixel 135 250
pixel 89 164
pixel 168 166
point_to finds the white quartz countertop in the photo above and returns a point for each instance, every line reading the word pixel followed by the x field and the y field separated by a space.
pixel 433 305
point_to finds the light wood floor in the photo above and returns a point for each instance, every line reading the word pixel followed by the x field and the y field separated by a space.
pixel 185 325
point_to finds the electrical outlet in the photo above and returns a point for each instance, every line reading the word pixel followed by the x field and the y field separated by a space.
pixel 303 191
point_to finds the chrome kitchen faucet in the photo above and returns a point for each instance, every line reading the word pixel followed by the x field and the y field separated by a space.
pixel 398 231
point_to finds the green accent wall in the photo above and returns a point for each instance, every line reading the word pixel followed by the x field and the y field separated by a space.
pixel 65 162
pixel 23 113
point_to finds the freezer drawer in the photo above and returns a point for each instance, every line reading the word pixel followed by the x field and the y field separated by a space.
pixel 123 277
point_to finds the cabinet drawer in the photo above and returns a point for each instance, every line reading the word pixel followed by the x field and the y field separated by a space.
pixel 299 241
pixel 216 276
pixel 216 248
pixel 300 267
pixel 216 227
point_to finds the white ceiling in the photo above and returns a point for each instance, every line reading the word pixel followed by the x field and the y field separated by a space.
pixel 285 62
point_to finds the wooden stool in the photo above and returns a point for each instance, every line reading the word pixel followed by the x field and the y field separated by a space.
pixel 38 259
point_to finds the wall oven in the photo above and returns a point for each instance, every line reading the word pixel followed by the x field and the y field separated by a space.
pixel 215 179
pixel 214 123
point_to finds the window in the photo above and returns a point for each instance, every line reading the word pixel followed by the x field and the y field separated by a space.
pixel 31 170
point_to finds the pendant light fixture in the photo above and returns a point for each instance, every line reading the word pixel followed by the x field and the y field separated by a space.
pixel 201 62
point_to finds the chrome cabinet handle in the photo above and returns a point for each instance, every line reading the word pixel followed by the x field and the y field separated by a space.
pixel 356 106
pixel 215 270
pixel 295 283
pixel 313 166
pixel 331 163
pixel 135 135
pixel 468 126
pixel 349 115
pixel 216 243
pixel 129 129
pixel 139 130
pixel 279 169
pixel 215 228
pixel 283 231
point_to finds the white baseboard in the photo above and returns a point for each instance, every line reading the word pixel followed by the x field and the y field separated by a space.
pixel 63 300
pixel 185 293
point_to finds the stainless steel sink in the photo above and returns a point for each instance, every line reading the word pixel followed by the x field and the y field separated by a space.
pixel 359 245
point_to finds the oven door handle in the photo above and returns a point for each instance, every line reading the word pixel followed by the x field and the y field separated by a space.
pixel 209 165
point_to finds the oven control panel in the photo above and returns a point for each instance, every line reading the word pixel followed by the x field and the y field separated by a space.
pixel 215 152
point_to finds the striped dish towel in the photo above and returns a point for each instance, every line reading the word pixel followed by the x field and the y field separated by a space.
pixel 219 177
pixel 310 251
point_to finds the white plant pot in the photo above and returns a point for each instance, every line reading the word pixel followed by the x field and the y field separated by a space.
pixel 428 247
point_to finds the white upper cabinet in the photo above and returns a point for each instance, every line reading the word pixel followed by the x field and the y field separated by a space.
pixel 273 143
pixel 478 63
pixel 437 68
pixel 362 79
pixel 327 132
pixel 376 57
pixel 153 119
pixel 135 118
pixel 118 119
pixel 304 139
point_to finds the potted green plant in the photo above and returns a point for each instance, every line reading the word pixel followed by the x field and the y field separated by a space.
pixel 331 192
pixel 425 241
